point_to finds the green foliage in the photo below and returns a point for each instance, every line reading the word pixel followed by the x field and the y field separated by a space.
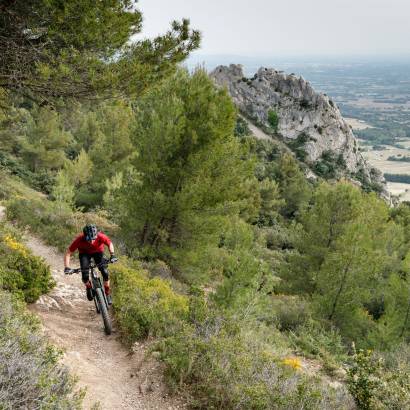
pixel 312 339
pixel 380 382
pixel 398 158
pixel 404 178
pixel 241 127
pixel 348 249
pixel 81 48
pixel 289 312
pixel 20 271
pixel 362 379
pixel 386 135
pixel 45 142
pixel 293 187
pixel 54 223
pixel 298 146
pixel 397 309
pixel 273 120
pixel 229 367
pixel 30 373
pixel 190 174
pixel 329 165
pixel 63 191
pixel 145 306
pixel 368 185
pixel 107 133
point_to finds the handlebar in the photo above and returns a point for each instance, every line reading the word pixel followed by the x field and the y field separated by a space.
pixel 93 266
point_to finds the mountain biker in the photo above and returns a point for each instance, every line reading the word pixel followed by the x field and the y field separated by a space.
pixel 90 245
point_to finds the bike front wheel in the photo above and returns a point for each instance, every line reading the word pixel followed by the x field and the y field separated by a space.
pixel 104 311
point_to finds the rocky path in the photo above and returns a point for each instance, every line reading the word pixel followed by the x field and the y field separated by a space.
pixel 115 377
pixel 257 132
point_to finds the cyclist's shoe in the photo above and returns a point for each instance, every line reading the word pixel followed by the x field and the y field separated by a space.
pixel 89 290
pixel 107 293
pixel 90 295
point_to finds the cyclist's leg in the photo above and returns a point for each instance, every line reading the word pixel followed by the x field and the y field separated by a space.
pixel 85 273
pixel 85 267
pixel 99 258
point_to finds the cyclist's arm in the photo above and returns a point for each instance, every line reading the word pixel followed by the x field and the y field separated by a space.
pixel 72 248
pixel 111 248
pixel 107 241
pixel 67 257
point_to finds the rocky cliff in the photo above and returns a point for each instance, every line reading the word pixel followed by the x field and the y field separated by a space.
pixel 305 119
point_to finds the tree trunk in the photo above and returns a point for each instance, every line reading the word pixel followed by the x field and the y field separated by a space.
pixel 339 292
pixel 144 234
pixel 406 319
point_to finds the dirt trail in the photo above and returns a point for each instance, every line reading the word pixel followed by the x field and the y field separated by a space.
pixel 113 376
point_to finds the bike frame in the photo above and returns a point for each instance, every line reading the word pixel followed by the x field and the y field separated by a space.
pixel 99 296
pixel 96 281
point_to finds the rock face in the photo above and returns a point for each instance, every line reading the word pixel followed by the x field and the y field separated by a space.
pixel 305 116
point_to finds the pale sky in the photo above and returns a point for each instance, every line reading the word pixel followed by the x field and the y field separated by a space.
pixel 283 27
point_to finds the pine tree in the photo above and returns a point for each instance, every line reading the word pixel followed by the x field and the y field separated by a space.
pixel 45 142
pixel 81 48
pixel 192 170
pixel 293 186
pixel 345 255
pixel 63 191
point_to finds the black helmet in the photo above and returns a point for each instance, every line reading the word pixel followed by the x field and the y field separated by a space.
pixel 90 232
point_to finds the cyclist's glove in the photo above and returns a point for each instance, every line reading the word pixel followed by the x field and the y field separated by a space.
pixel 113 258
pixel 68 271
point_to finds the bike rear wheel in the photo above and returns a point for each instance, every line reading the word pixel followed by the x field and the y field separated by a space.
pixel 104 311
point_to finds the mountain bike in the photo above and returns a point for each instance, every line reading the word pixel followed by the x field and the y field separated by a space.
pixel 100 298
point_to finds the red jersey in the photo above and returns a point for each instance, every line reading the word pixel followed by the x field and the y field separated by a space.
pixel 87 247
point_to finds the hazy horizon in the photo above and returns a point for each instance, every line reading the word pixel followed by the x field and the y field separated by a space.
pixel 367 28
pixel 308 58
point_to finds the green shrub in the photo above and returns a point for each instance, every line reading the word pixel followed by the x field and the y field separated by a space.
pixel 273 119
pixel 42 180
pixel 329 164
pixel 21 271
pixel 311 339
pixel 305 104
pixel 53 222
pixel 143 306
pixel 31 376
pixel 241 127
pixel 363 380
pixel 289 312
pixel 298 145
pixel 403 178
pixel 377 385
pixel 227 366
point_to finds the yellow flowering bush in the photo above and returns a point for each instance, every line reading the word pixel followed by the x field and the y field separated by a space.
pixel 293 362
pixel 145 306
pixel 14 245
pixel 22 272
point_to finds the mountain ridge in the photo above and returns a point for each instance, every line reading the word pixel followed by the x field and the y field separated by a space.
pixel 308 121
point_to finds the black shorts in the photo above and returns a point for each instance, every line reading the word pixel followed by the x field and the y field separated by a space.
pixel 85 259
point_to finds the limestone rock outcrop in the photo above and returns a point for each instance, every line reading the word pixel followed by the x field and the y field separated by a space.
pixel 303 114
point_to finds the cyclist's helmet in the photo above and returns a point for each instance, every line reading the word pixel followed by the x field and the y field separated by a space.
pixel 90 232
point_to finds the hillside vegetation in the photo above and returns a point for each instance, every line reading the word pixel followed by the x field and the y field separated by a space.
pixel 258 288
pixel 30 373
pixel 272 268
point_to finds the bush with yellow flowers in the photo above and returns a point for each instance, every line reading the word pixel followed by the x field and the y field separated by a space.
pixel 145 306
pixel 20 271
